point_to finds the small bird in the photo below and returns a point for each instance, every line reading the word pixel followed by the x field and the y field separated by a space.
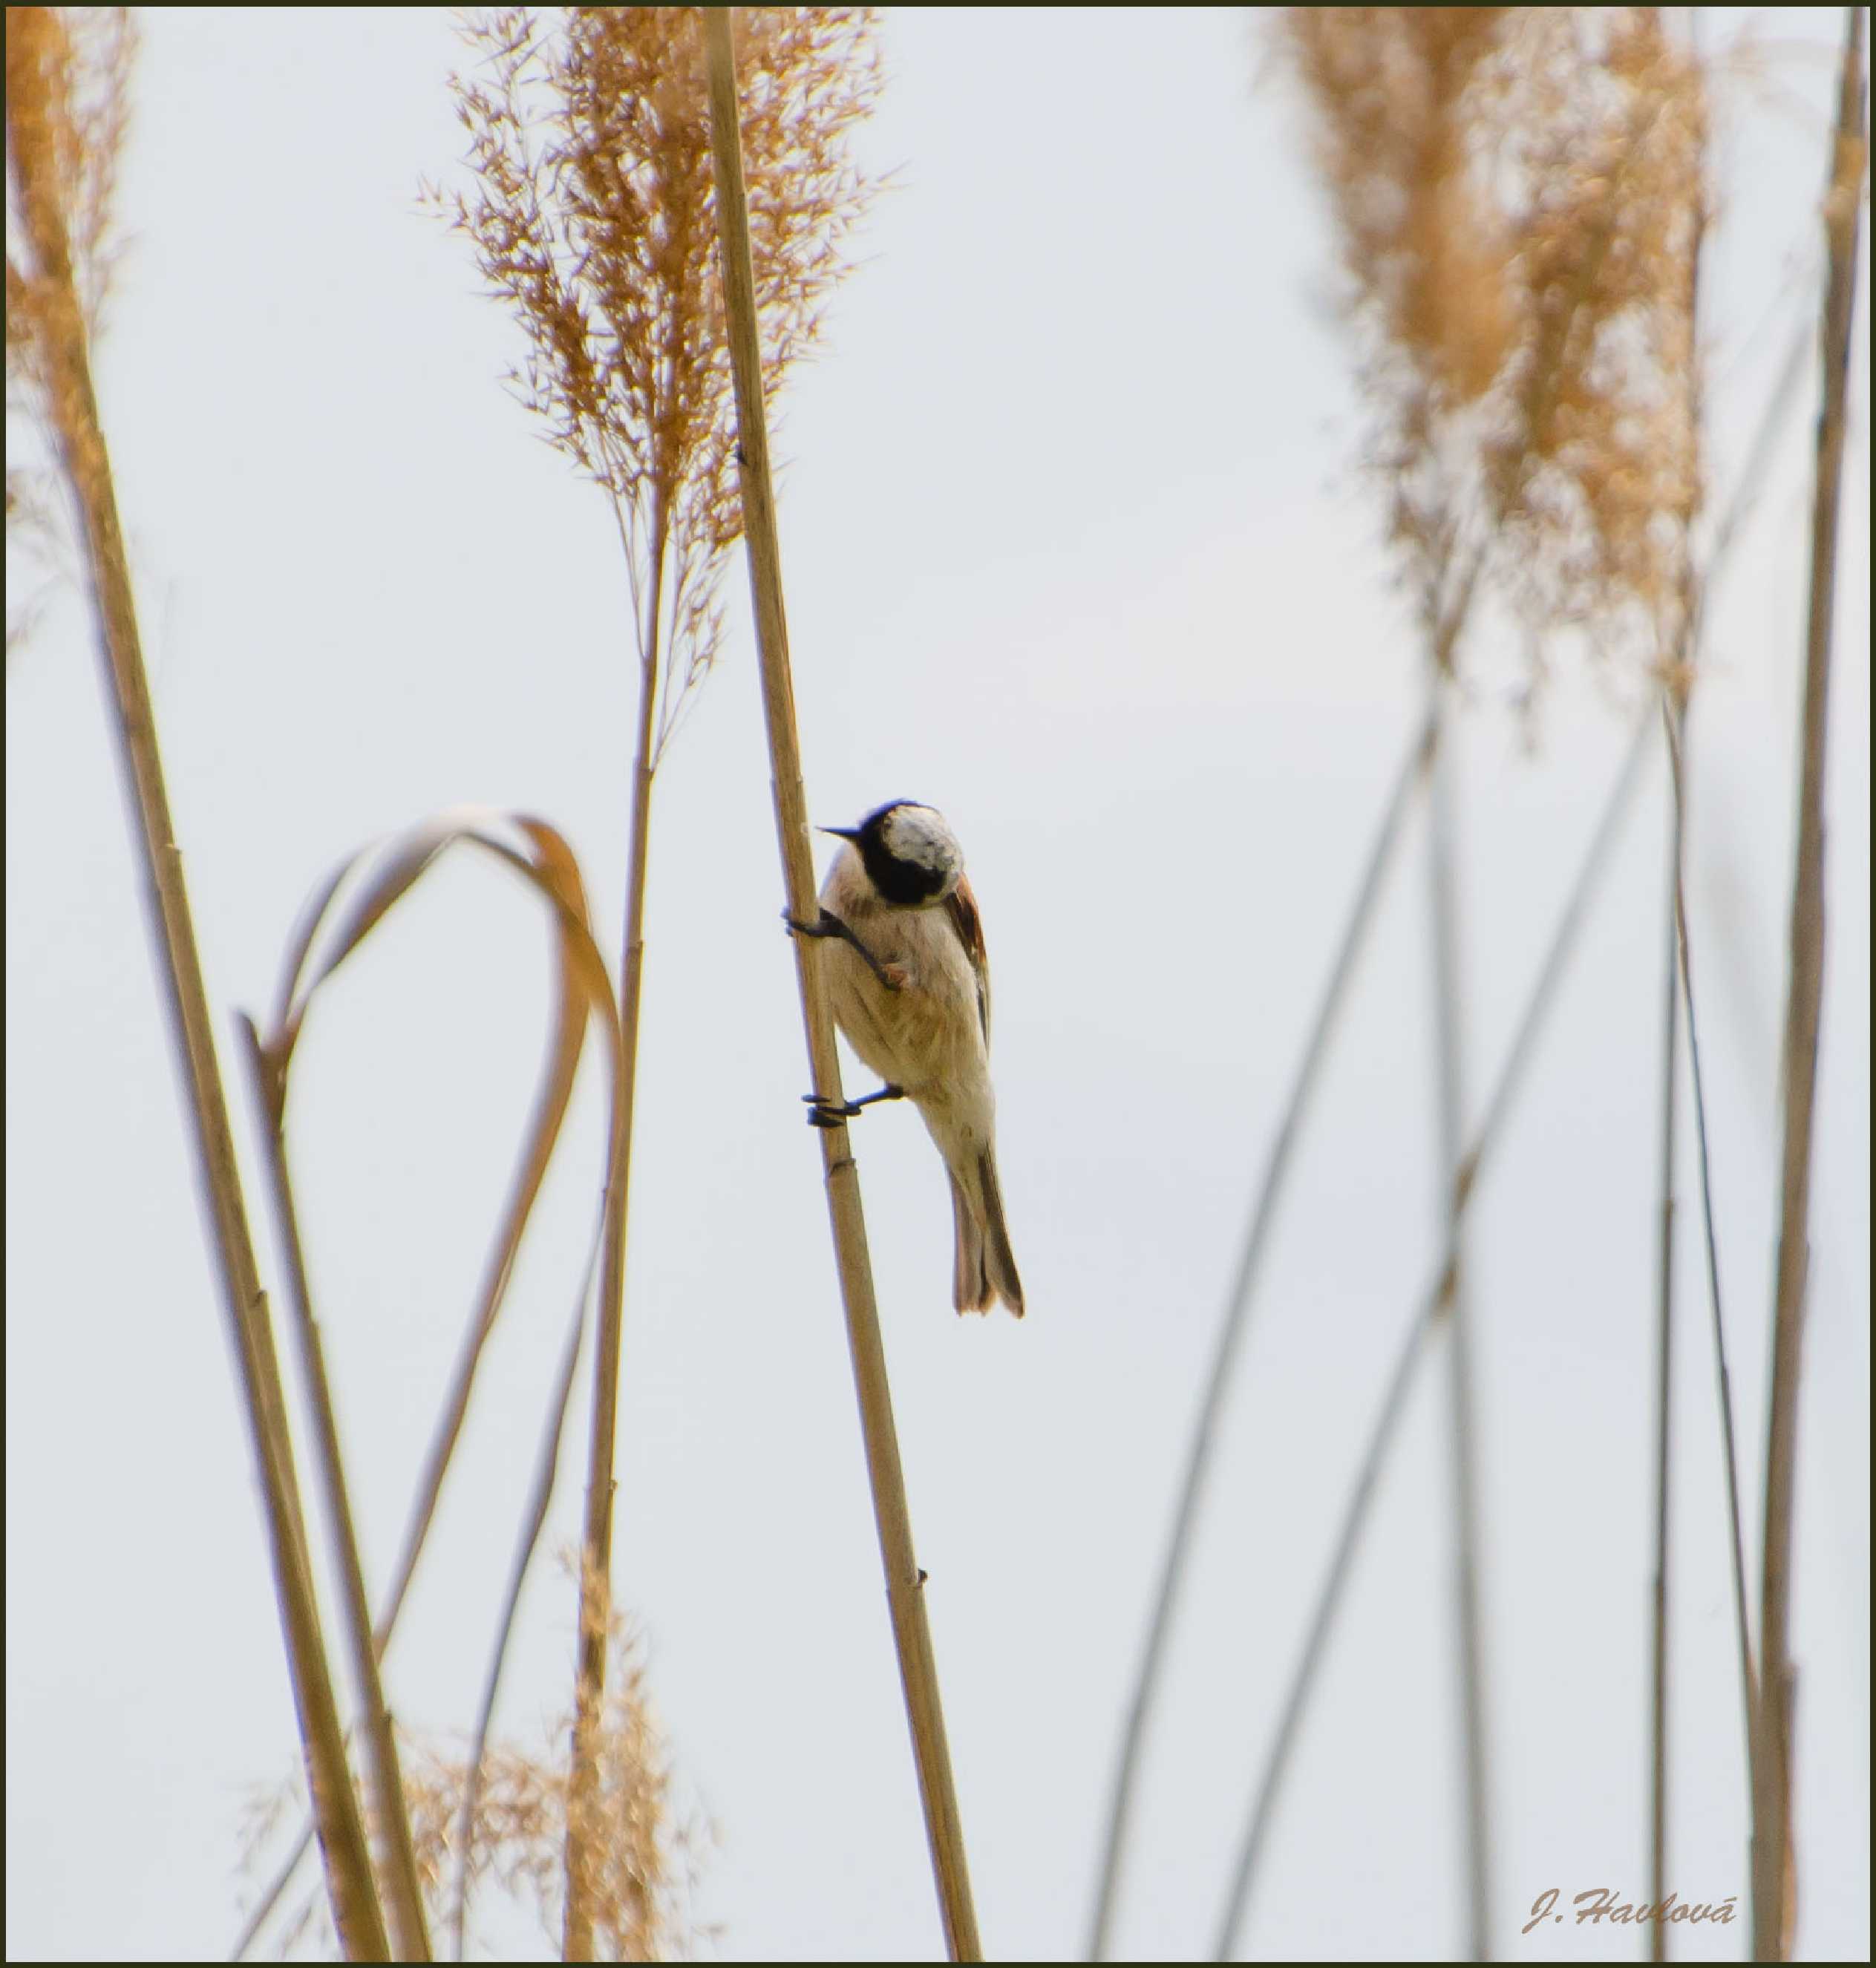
pixel 911 988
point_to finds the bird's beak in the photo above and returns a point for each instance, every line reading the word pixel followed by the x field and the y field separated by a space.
pixel 845 832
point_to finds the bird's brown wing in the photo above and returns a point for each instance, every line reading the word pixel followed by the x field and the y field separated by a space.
pixel 960 907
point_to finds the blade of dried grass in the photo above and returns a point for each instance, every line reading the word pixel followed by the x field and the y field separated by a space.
pixel 1774 1862
pixel 905 1581
pixel 47 166
pixel 582 990
pixel 1173 1566
pixel 551 1101
pixel 550 1111
pixel 1430 1304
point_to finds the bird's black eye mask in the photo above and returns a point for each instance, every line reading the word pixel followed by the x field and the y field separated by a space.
pixel 904 884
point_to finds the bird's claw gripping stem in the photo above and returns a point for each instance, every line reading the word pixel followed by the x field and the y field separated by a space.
pixel 825 1113
pixel 889 975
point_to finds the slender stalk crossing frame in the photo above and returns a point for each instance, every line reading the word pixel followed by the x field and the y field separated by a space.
pixel 1443 911
pixel 905 1581
pixel 597 1544
pixel 1400 1383
pixel 1773 1863
pixel 1748 1684
pixel 1663 1388
pixel 71 407
pixel 1230 1335
pixel 1687 629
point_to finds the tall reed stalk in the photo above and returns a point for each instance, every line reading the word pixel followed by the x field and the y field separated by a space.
pixel 1202 1450
pixel 1774 1863
pixel 905 1582
pixel 592 217
pixel 1678 658
pixel 66 73
pixel 1444 940
pixel 1659 1603
pixel 1429 1309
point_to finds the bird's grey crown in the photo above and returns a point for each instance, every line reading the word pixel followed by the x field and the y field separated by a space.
pixel 919 835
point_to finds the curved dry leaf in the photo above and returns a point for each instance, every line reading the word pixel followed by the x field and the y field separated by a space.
pixel 384 873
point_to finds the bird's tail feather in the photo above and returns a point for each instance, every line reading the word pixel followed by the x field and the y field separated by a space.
pixel 970 1286
pixel 985 1269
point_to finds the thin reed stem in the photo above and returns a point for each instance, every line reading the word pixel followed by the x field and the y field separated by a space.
pixel 1688 617
pixel 1773 1859
pixel 1742 1625
pixel 1664 1392
pixel 403 1898
pixel 1430 1304
pixel 1322 1619
pixel 1731 528
pixel 61 347
pixel 1173 1566
pixel 905 1581
pixel 1444 916
pixel 596 1565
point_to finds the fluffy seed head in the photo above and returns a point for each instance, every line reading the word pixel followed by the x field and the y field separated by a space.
pixel 1519 195
pixel 592 216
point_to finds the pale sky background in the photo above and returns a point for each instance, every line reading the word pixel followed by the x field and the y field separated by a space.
pixel 1075 550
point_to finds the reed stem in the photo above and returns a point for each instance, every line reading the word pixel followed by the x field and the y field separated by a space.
pixel 596 1567
pixel 1664 1394
pixel 62 344
pixel 1773 1859
pixel 1432 1300
pixel 402 1895
pixel 1443 903
pixel 1172 1570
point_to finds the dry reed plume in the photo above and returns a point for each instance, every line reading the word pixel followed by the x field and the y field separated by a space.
pixel 67 107
pixel 593 219
pixel 592 216
pixel 517 1841
pixel 1518 194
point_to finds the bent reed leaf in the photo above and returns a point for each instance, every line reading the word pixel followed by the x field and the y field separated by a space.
pixel 377 879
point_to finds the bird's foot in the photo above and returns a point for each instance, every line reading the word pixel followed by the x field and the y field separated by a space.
pixel 829 1113
pixel 892 975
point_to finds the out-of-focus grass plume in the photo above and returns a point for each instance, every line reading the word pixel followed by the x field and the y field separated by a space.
pixel 641 1866
pixel 1519 192
pixel 68 74
pixel 593 215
